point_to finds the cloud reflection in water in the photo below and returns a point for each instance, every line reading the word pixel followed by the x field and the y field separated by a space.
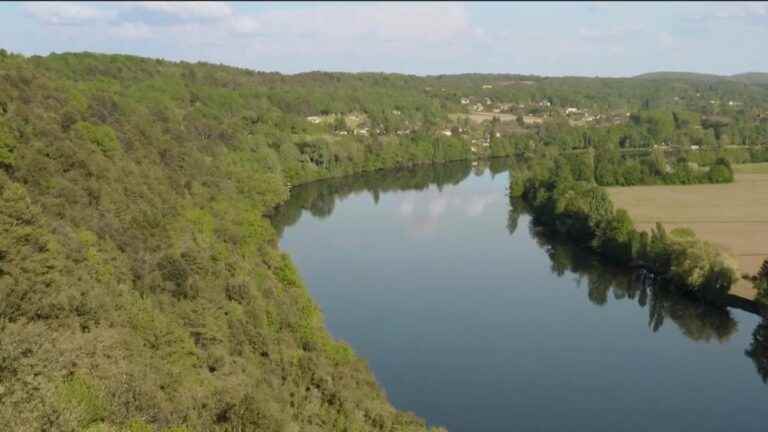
pixel 423 214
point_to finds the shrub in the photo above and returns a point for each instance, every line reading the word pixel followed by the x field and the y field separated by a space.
pixel 720 172
pixel 81 401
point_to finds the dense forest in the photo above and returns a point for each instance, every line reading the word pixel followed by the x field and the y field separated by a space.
pixel 141 284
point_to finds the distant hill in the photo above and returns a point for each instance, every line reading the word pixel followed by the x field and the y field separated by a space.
pixel 760 78
pixel 681 76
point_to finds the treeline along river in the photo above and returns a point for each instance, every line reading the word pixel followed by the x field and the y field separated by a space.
pixel 476 320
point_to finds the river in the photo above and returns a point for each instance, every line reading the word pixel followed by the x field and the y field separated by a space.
pixel 475 320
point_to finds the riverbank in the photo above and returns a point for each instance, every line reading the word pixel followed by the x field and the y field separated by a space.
pixel 584 212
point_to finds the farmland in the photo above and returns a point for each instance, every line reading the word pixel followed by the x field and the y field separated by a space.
pixel 733 216
pixel 752 168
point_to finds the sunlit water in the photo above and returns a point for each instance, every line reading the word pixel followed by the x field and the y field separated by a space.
pixel 475 321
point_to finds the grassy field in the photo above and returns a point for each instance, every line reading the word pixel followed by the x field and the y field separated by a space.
pixel 752 168
pixel 733 216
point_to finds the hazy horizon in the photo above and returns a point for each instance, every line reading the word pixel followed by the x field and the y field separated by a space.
pixel 546 39
pixel 395 72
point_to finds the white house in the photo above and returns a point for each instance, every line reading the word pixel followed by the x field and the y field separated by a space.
pixel 464 101
pixel 571 110
pixel 446 132
pixel 314 119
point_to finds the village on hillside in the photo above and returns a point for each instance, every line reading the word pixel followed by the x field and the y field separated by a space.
pixel 479 119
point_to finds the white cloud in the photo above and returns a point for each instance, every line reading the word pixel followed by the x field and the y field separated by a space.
pixel 133 16
pixel 476 205
pixel 749 13
pixel 374 31
pixel 131 30
pixel 370 35
pixel 437 206
pixel 742 10
pixel 68 13
pixel 189 10
pixel 384 22
pixel 417 22
pixel 407 207
pixel 611 33
pixel 245 25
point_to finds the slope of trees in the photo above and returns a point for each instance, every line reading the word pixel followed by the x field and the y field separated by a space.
pixel 140 282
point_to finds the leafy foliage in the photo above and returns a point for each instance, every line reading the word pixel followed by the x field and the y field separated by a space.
pixel 140 281
pixel 584 212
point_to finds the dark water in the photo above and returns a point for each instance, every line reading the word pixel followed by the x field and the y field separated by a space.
pixel 475 321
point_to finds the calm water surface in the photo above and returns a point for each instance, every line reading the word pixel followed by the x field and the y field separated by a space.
pixel 475 321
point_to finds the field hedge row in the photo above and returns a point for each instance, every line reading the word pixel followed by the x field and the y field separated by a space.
pixel 584 212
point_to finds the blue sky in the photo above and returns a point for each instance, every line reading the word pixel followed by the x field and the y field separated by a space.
pixel 605 39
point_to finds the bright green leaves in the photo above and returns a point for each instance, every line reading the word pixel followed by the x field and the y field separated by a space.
pixel 103 137
pixel 82 402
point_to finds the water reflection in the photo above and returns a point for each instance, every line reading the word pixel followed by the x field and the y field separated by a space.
pixel 698 321
pixel 422 209
pixel 758 350
pixel 319 198
pixel 422 212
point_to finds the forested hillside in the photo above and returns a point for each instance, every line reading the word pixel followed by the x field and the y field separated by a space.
pixel 141 286
pixel 140 282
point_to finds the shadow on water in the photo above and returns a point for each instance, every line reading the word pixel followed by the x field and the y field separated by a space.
pixel 698 321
